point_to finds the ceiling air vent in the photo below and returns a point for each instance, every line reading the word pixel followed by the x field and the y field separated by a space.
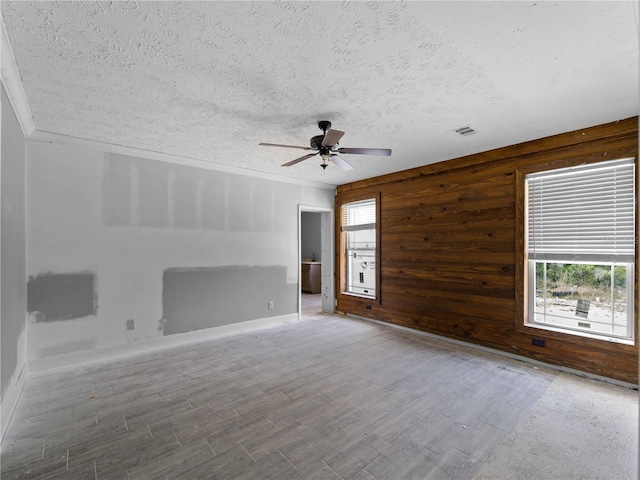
pixel 464 131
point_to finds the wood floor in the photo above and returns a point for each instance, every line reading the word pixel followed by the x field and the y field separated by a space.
pixel 326 398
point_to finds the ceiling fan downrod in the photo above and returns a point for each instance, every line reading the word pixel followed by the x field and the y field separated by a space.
pixel 317 142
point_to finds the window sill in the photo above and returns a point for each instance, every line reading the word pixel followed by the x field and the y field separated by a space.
pixel 358 295
pixel 604 338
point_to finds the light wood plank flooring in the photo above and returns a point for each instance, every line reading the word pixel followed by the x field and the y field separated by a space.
pixel 311 304
pixel 325 398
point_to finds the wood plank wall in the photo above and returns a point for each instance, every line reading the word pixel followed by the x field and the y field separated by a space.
pixel 451 260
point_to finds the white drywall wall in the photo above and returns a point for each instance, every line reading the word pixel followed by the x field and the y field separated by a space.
pixel 12 261
pixel 128 220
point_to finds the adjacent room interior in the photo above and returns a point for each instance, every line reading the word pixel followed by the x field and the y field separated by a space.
pixel 444 284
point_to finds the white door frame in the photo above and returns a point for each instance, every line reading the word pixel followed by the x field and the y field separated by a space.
pixel 327 257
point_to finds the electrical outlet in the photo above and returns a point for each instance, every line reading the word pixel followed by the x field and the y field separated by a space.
pixel 131 324
pixel 270 305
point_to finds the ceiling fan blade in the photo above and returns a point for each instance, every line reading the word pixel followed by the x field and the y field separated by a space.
pixel 284 146
pixel 341 162
pixel 298 160
pixel 331 138
pixel 366 151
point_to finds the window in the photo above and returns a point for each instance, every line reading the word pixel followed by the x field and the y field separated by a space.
pixel 580 249
pixel 358 226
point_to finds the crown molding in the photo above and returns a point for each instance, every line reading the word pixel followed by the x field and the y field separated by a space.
pixel 12 83
pixel 49 137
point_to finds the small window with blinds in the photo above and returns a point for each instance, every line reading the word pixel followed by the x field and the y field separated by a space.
pixel 580 249
pixel 358 226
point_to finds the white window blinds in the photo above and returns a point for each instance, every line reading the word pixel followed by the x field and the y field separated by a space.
pixel 582 213
pixel 359 215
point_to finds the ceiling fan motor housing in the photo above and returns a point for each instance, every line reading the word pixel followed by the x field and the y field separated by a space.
pixel 316 142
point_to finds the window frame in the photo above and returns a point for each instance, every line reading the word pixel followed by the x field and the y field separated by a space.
pixel 522 293
pixel 341 263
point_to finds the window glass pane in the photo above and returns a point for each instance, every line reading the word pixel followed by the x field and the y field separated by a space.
pixel 620 291
pixel 582 297
pixel 540 290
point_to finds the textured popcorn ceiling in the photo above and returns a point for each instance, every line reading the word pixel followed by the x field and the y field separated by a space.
pixel 210 80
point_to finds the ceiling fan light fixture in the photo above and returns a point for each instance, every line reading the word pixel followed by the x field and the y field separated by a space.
pixel 341 162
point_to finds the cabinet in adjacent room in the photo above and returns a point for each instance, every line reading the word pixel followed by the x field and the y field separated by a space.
pixel 311 277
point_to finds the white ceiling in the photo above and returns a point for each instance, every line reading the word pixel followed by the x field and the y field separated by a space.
pixel 210 80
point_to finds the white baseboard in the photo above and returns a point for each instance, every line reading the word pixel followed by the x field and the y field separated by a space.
pixel 44 366
pixel 11 397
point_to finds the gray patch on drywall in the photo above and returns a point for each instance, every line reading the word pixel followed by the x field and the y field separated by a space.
pixel 214 202
pixel 187 196
pixel 66 348
pixel 153 191
pixel 262 202
pixel 286 208
pixel 138 192
pixel 116 191
pixel 197 298
pixel 239 205
pixel 61 296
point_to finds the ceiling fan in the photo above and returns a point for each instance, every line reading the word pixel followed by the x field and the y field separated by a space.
pixel 326 145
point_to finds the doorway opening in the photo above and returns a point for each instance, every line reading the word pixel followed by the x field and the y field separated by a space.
pixel 316 260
